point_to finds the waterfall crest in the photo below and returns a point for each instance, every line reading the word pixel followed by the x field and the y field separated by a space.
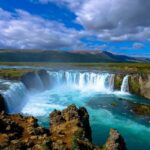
pixel 102 82
pixel 125 85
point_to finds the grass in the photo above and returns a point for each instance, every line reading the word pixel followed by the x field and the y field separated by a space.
pixel 116 67
pixel 128 67
pixel 13 74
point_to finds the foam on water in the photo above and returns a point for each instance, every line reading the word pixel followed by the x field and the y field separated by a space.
pixel 101 119
pixel 79 87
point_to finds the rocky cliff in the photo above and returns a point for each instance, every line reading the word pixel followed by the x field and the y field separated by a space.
pixel 2 104
pixel 139 84
pixel 69 130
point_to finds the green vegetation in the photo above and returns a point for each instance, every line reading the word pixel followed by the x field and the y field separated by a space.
pixel 124 67
pixel 114 67
pixel 134 85
pixel 118 81
pixel 141 109
pixel 13 74
pixel 114 104
pixel 62 56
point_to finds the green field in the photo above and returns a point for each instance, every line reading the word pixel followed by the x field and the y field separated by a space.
pixel 131 67
pixel 116 67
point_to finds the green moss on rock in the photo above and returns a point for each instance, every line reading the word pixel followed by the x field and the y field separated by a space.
pixel 134 85
pixel 118 81
pixel 142 109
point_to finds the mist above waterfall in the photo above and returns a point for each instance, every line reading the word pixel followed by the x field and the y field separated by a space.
pixel 17 94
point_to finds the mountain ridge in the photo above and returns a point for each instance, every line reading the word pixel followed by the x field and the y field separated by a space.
pixel 65 56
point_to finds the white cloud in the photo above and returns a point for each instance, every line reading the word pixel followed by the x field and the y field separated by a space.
pixel 23 30
pixel 114 20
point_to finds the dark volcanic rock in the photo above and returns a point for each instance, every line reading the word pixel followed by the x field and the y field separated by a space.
pixel 2 103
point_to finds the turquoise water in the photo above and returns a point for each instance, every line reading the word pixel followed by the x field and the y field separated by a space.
pixel 103 115
pixel 94 90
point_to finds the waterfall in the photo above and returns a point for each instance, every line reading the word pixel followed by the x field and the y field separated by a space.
pixel 14 97
pixel 103 82
pixel 125 85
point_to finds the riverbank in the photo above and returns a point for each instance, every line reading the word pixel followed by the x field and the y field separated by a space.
pixel 119 67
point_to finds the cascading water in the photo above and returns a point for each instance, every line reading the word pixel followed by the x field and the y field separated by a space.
pixel 14 97
pixel 102 82
pixel 125 85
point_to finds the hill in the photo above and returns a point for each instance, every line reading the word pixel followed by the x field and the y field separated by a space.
pixel 63 56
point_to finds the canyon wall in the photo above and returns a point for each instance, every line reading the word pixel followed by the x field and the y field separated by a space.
pixel 139 84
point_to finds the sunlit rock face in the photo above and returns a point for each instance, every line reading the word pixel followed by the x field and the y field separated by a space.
pixel 18 132
pixel 69 129
pixel 140 85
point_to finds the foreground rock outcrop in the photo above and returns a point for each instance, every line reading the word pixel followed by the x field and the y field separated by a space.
pixel 69 130
pixel 19 133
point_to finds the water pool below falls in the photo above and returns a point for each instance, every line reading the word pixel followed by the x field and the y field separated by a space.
pixel 95 91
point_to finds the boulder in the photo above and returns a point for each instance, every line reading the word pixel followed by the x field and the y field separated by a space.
pixel 115 141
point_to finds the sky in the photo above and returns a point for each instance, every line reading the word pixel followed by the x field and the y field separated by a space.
pixel 117 26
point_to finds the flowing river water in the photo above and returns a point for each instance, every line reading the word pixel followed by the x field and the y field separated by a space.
pixel 95 91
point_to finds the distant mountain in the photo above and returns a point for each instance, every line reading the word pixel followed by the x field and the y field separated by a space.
pixel 63 56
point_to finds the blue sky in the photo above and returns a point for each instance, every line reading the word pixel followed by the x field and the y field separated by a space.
pixel 118 27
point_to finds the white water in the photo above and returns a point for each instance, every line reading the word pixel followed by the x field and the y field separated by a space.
pixel 82 81
pixel 85 81
pixel 14 96
pixel 125 85
pixel 77 87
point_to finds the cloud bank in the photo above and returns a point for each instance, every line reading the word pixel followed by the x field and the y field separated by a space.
pixel 112 20
pixel 23 30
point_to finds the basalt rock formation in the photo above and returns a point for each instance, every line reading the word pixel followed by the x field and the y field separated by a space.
pixel 21 133
pixel 139 84
pixel 69 130
pixel 2 104
pixel 115 141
